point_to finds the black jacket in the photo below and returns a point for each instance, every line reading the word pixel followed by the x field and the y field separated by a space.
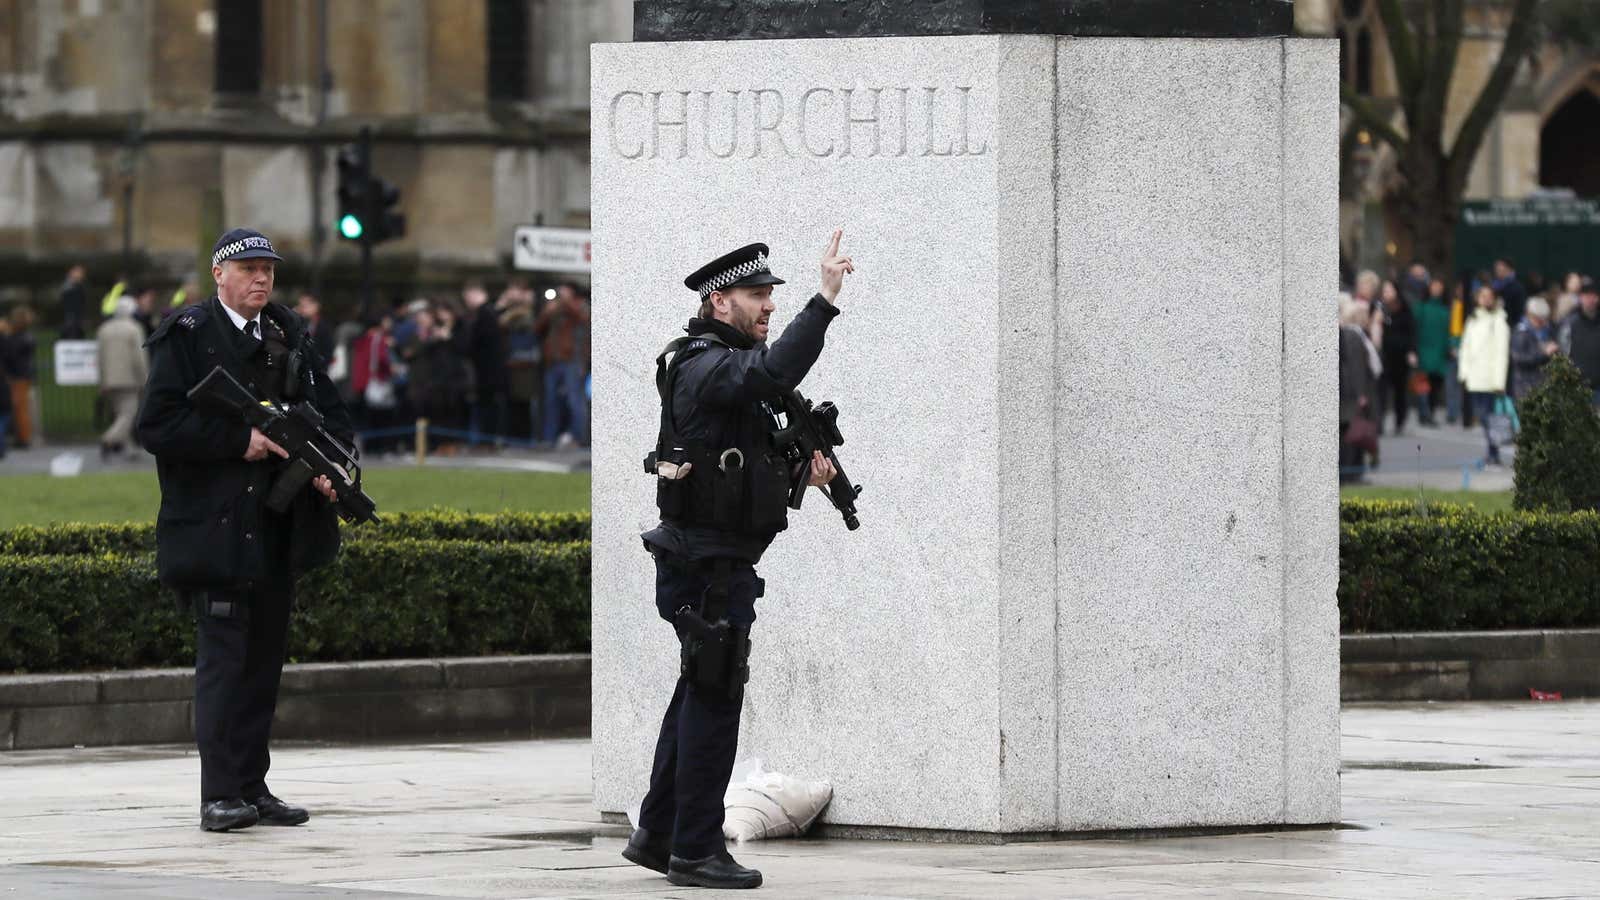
pixel 487 348
pixel 213 530
pixel 714 399
pixel 1581 340
pixel 5 392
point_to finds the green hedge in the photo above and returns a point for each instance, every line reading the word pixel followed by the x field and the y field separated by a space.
pixel 380 599
pixel 1353 510
pixel 1467 571
pixel 443 525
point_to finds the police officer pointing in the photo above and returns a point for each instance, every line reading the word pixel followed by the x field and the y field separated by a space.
pixel 723 494
pixel 230 558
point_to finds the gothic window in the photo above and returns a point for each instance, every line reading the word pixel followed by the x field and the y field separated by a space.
pixel 1357 19
pixel 508 35
pixel 1566 145
pixel 238 47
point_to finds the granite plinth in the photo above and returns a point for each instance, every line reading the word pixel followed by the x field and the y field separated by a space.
pixel 693 20
pixel 1085 377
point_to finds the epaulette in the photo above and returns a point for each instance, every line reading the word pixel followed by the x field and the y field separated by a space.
pixel 189 318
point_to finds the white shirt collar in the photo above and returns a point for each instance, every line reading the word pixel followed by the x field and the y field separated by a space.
pixel 239 321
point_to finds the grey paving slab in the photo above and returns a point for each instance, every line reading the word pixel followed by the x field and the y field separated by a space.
pixel 1484 800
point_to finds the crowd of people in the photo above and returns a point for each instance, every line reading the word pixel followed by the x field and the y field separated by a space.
pixel 483 373
pixel 480 372
pixel 1475 348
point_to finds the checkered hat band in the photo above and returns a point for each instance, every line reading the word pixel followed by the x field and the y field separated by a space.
pixel 239 246
pixel 743 270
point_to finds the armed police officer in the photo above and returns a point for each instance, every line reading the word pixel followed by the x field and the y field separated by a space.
pixel 231 559
pixel 723 493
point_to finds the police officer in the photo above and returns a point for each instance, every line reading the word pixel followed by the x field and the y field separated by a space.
pixel 231 559
pixel 723 493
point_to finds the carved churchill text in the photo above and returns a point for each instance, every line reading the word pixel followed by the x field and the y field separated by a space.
pixel 818 123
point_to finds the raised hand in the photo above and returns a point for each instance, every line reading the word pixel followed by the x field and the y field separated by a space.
pixel 834 267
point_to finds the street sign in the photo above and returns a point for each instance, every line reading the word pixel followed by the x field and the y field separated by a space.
pixel 540 249
pixel 77 363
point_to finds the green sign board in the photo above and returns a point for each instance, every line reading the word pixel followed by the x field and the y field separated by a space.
pixel 1544 237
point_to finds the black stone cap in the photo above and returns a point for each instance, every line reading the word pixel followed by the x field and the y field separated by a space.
pixel 720 20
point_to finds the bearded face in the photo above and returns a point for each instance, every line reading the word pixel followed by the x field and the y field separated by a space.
pixel 749 309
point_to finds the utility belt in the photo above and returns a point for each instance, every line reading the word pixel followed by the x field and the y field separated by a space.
pixel 733 489
pixel 715 653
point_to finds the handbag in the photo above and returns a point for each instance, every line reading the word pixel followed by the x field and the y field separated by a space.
pixel 1362 433
pixel 1419 384
pixel 379 394
pixel 1503 422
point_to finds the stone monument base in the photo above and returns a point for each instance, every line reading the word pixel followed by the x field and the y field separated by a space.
pixel 1086 371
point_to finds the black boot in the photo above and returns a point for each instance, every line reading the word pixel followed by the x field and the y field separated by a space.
pixel 227 815
pixel 716 871
pixel 276 812
pixel 645 848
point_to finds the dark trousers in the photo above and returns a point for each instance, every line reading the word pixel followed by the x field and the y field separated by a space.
pixel 700 731
pixel 1397 382
pixel 238 663
pixel 565 402
pixel 488 415
pixel 1483 408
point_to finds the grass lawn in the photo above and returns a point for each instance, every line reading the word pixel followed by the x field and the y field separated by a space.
pixel 134 496
pixel 1485 501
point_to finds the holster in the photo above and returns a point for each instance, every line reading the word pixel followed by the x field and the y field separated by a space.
pixel 715 654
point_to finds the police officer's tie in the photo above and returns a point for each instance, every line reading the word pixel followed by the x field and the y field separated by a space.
pixel 253 340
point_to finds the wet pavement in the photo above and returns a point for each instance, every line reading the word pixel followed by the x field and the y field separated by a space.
pixel 1475 800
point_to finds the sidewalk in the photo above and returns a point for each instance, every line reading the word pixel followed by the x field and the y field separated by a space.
pixel 1446 458
pixel 1440 800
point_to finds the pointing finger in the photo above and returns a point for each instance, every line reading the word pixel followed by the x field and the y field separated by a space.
pixel 833 243
pixel 278 450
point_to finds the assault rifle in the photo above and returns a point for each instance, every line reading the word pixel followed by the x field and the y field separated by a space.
pixel 804 430
pixel 297 428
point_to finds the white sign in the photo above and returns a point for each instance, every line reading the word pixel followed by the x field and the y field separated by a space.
pixel 551 249
pixel 77 363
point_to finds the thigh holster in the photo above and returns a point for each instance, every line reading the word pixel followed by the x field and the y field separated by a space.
pixel 715 654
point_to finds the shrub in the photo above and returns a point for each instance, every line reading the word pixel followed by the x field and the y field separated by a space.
pixel 445 525
pixel 380 599
pixel 1363 510
pixel 1558 451
pixel 448 525
pixel 1469 571
pixel 76 538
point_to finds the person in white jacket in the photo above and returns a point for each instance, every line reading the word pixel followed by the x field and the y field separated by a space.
pixel 1485 356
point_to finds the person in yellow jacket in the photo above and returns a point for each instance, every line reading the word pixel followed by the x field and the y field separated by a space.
pixel 1484 359
pixel 108 303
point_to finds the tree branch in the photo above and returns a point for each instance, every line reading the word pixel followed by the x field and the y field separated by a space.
pixel 1401 50
pixel 1438 70
pixel 1371 118
pixel 1518 44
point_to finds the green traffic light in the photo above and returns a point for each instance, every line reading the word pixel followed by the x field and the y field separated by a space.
pixel 350 226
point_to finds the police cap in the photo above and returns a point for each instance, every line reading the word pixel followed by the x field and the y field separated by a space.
pixel 744 267
pixel 242 243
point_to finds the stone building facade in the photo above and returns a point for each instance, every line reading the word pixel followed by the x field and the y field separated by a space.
pixel 1546 136
pixel 133 131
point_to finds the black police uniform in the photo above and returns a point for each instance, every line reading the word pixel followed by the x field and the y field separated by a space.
pixel 230 558
pixel 715 525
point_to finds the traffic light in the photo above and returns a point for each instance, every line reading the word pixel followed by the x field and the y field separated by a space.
pixel 355 180
pixel 367 203
pixel 387 222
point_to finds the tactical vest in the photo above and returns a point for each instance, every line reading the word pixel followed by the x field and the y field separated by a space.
pixel 735 480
